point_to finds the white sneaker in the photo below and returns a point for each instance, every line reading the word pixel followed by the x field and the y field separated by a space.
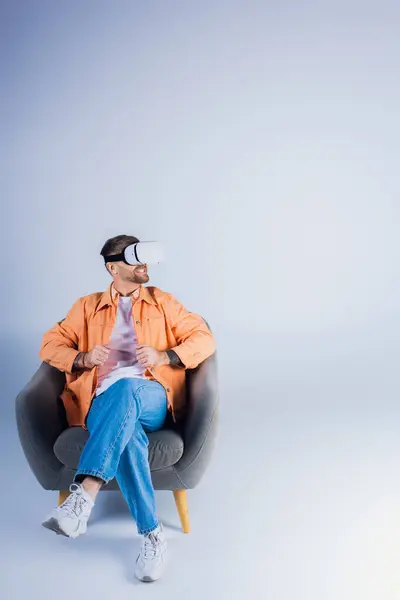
pixel 151 560
pixel 70 518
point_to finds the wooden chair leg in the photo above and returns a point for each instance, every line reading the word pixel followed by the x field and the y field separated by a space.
pixel 183 509
pixel 63 495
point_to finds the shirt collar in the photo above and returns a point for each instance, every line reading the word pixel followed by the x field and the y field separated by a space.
pixel 111 296
pixel 115 295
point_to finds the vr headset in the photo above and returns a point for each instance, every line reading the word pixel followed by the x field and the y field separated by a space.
pixel 151 253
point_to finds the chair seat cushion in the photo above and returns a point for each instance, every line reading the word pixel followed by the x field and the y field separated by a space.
pixel 165 447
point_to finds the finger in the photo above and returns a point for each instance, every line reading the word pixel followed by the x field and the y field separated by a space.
pixel 102 359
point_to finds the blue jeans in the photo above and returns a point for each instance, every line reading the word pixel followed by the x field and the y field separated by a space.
pixel 118 445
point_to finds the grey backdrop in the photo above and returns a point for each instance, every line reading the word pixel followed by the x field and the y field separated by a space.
pixel 260 142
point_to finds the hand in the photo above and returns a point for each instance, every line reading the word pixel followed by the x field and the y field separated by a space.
pixel 150 357
pixel 97 356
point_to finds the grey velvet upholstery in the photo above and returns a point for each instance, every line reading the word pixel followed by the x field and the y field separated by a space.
pixel 178 456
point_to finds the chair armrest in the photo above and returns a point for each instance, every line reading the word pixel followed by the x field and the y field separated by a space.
pixel 41 418
pixel 201 423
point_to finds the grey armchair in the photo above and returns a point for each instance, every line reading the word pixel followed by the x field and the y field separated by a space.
pixel 178 455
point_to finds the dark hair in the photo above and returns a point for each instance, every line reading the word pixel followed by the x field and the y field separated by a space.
pixel 117 244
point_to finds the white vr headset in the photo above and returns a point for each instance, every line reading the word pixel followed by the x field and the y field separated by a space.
pixel 141 253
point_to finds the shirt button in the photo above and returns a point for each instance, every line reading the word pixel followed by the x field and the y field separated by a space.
pixel 137 322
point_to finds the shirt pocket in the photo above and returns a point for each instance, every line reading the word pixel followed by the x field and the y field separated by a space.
pixel 155 330
pixel 154 319
pixel 152 313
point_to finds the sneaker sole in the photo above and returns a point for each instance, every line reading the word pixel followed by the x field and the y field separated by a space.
pixel 53 525
pixel 147 578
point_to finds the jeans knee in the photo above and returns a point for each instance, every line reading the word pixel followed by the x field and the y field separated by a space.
pixel 125 383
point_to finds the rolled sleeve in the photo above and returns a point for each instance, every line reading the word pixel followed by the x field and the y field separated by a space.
pixel 60 344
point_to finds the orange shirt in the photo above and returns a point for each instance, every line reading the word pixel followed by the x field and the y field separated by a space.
pixel 160 321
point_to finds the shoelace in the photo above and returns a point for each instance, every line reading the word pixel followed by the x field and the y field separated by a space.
pixel 73 505
pixel 151 546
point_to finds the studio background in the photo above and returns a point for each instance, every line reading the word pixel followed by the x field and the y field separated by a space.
pixel 259 142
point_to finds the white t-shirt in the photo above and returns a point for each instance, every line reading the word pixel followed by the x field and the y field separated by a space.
pixel 122 361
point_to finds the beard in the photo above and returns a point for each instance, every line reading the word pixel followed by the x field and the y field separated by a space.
pixel 139 277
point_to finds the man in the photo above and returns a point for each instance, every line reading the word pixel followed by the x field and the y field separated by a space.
pixel 124 353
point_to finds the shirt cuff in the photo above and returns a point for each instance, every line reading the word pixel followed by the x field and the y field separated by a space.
pixel 174 359
pixel 68 365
